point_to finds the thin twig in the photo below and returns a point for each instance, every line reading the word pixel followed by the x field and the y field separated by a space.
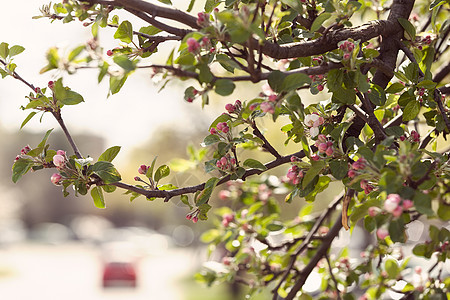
pixel 330 269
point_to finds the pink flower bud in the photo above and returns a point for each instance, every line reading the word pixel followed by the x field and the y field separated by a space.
pixel 190 99
pixel 322 138
pixel 418 270
pixel 329 151
pixel 315 157
pixel 25 150
pixel 226 129
pixel 294 159
pixel 397 211
pixel 223 160
pixel 219 164
pixel 17 158
pixel 320 87
pixel 233 161
pixel 253 106
pixel 363 184
pixel 300 174
pixel 61 152
pixel 273 98
pixel 322 147
pixel 188 216
pixel 213 131
pixel 230 108
pixel 143 169
pixel 382 233
pixel 137 178
pixel 237 103
pixel 407 204
pixel 291 175
pixel 195 219
pixel 56 179
pixel 360 164
pixel 221 125
pixel 415 136
pixel 296 180
pixel 109 53
pixel 373 211
pixel 351 173
pixel 193 44
pixel 51 84
pixel 346 56
pixel 59 161
pixel 267 107
pixel 392 202
pixel 224 194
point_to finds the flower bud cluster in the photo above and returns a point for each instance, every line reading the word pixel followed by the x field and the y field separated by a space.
pixel 269 105
pixel 295 175
pixel 193 216
pixel 382 233
pixel 356 166
pixel 314 121
pixel 226 163
pixel 414 137
pixel 347 47
pixel 318 78
pixel 366 186
pixel 324 145
pixel 227 219
pixel 220 127
pixel 193 45
pixel 203 19
pixel 234 109
pixel 395 205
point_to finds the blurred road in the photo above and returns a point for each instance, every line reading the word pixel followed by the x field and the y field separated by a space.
pixel 74 271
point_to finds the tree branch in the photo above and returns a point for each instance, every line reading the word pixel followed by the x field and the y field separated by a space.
pixel 308 239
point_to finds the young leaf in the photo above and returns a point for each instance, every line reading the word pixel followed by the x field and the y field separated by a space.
pixel 106 171
pixel 4 51
pixel 149 173
pixel 224 87
pixel 124 32
pixel 204 195
pixel 97 195
pixel 44 140
pixel 410 31
pixel 28 118
pixel 109 154
pixel 411 110
pixel 20 167
pixel 253 163
pixel 319 20
pixel 16 49
pixel 161 172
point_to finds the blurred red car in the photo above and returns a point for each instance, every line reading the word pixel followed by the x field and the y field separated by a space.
pixel 119 274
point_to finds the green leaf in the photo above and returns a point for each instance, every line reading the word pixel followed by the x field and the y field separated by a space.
pixel 395 88
pixel 339 169
pixel 377 95
pixel 275 80
pixel 161 172
pixel 397 231
pixel 106 171
pixel 205 75
pixel 392 268
pixel 116 83
pixel 422 202
pixel 294 81
pixel 411 110
pixel 16 49
pixel 210 140
pixel 224 87
pixel 150 30
pixel 410 31
pixel 28 118
pixel 427 84
pixel 4 51
pixel 97 195
pixel 276 226
pixel 124 62
pixel 253 163
pixel 21 167
pixel 124 32
pixel 334 79
pixel 44 140
pixel 319 20
pixel 149 173
pixel 75 52
pixel 71 98
pixel 316 168
pixel 109 154
pixel 65 95
pixel 109 188
pixel 346 96
pixel 437 3
pixel 191 5
pixel 168 2
pixel 204 195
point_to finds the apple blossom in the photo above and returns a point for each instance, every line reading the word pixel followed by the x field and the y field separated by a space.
pixel 382 233
pixel 59 161
pixel 56 179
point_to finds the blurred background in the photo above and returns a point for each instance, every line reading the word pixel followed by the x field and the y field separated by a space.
pixel 53 247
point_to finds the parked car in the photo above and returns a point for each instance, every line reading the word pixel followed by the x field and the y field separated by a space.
pixel 119 274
